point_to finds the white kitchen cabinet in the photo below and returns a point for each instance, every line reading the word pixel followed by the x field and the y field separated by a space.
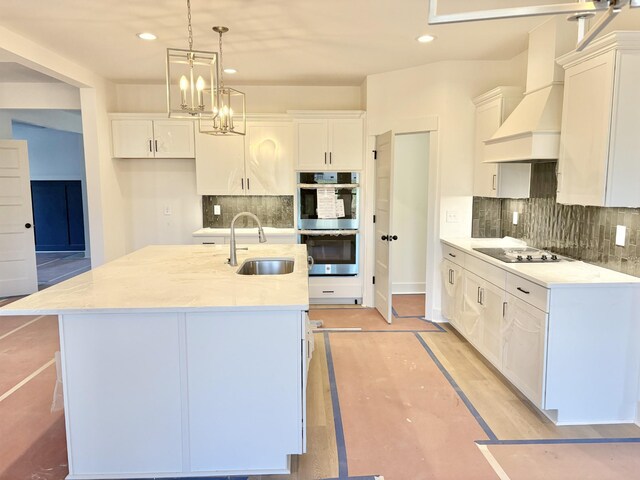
pixel 491 179
pixel 329 144
pixel 493 304
pixel 260 163
pixel 524 348
pixel 452 292
pixel 471 314
pixel 148 138
pixel 599 145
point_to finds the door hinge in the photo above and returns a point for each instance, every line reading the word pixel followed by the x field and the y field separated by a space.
pixel 375 154
pixel 374 219
pixel 374 280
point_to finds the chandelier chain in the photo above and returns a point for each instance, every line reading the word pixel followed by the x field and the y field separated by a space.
pixel 221 66
pixel 189 23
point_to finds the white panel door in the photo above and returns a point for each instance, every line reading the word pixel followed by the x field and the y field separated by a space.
pixel 245 389
pixel 346 140
pixel 312 148
pixel 122 385
pixel 18 274
pixel 384 210
pixel 269 160
pixel 220 165
pixel 174 139
pixel 132 138
pixel 523 348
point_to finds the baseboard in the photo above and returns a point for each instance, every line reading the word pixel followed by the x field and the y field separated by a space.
pixel 408 288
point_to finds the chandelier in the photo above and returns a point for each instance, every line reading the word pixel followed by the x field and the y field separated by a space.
pixel 229 113
pixel 192 77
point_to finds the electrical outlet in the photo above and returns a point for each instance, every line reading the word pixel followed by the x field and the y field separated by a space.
pixel 452 216
pixel 216 209
pixel 515 218
pixel 621 232
pixel 167 210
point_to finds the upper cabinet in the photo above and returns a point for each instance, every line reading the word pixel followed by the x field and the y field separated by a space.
pixel 323 143
pixel 492 179
pixel 260 163
pixel 149 138
pixel 599 163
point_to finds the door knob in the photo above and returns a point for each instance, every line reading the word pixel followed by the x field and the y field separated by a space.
pixel 27 225
pixel 395 237
pixel 384 237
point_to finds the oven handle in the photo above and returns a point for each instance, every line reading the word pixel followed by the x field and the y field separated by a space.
pixel 328 232
pixel 311 262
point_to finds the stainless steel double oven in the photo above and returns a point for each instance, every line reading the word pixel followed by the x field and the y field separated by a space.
pixel 328 221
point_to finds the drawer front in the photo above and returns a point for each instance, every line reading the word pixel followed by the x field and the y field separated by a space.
pixel 335 291
pixel 486 271
pixel 530 292
pixel 453 255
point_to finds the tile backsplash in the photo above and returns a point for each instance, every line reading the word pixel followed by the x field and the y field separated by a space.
pixel 583 233
pixel 273 211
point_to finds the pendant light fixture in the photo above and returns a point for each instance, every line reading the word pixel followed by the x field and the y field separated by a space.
pixel 192 79
pixel 229 113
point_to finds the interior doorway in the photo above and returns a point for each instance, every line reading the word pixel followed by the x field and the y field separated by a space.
pixel 58 192
pixel 410 201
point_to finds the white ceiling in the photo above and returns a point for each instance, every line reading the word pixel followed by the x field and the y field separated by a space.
pixel 319 42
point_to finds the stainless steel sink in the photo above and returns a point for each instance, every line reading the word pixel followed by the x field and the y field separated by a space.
pixel 266 266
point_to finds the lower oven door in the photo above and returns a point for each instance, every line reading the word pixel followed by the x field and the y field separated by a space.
pixel 333 252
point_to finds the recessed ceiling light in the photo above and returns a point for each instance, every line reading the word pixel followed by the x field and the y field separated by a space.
pixel 230 71
pixel 147 36
pixel 426 38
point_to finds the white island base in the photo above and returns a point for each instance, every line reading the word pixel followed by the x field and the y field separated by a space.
pixel 175 366
pixel 170 395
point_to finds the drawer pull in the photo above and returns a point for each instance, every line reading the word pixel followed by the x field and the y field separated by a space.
pixel 452 255
pixel 523 291
pixel 328 291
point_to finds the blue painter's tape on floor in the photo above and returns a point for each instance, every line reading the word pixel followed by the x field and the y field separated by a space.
pixel 459 391
pixel 558 441
pixel 343 468
pixel 424 319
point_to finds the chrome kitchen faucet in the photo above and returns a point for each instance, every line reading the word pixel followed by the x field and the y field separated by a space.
pixel 233 259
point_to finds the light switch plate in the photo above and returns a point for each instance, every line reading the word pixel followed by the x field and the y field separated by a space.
pixel 167 210
pixel 216 209
pixel 621 232
pixel 515 218
pixel 452 216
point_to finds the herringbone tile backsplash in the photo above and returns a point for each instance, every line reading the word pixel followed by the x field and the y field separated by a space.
pixel 583 233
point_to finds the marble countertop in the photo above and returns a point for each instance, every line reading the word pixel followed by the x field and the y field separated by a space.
pixel 176 278
pixel 549 275
pixel 206 232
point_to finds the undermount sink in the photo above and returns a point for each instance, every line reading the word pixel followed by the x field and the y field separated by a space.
pixel 266 266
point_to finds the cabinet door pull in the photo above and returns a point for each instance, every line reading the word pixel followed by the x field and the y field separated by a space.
pixel 504 309
pixel 150 146
pixel 452 255
pixel 242 183
pixel 493 182
pixel 451 276
pixel 156 144
pixel 330 158
pixel 325 158
pixel 523 291
pixel 482 297
pixel 248 184
pixel 478 297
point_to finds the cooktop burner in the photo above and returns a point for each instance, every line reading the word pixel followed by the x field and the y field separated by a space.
pixel 521 255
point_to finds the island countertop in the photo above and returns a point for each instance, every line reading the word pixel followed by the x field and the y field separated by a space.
pixel 176 278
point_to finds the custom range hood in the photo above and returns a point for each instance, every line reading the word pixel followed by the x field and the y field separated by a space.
pixel 532 132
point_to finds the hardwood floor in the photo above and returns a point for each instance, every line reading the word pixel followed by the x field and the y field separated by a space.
pixel 404 415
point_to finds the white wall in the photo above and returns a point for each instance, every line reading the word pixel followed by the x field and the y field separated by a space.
pixel 409 260
pixel 150 186
pixel 259 98
pixel 397 100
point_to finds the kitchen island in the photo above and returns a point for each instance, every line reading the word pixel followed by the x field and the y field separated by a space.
pixel 174 365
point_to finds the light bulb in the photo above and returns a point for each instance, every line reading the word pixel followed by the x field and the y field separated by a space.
pixel 184 83
pixel 199 84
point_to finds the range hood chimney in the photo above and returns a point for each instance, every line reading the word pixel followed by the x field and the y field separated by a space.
pixel 532 132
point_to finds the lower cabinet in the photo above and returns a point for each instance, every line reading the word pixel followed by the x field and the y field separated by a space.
pixel 523 348
pixel 493 305
pixel 451 291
